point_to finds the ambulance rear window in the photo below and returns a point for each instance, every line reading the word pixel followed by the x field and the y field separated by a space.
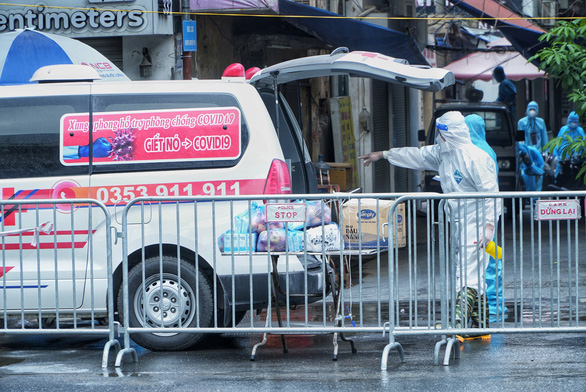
pixel 29 135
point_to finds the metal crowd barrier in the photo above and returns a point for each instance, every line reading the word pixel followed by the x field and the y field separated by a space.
pixel 541 237
pixel 312 288
pixel 184 267
pixel 56 269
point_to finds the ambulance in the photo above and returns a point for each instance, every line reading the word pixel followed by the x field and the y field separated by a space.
pixel 68 137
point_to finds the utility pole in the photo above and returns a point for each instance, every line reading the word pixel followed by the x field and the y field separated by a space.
pixel 186 55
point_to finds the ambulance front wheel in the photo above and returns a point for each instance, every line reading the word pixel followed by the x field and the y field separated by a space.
pixel 167 300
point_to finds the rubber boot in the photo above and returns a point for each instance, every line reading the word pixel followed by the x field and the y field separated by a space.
pixel 464 306
pixel 480 306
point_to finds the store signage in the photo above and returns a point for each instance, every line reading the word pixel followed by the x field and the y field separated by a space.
pixel 85 18
pixel 189 36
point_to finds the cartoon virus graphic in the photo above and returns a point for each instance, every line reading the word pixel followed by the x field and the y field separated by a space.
pixel 122 145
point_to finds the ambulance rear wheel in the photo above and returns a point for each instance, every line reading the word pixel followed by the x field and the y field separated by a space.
pixel 167 301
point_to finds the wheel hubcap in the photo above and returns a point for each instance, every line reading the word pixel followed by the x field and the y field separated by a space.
pixel 162 303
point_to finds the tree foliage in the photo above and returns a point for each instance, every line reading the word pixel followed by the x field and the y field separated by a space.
pixel 565 59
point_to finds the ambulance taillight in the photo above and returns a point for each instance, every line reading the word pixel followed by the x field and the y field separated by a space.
pixel 278 180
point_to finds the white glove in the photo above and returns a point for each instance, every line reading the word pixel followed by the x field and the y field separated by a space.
pixel 486 236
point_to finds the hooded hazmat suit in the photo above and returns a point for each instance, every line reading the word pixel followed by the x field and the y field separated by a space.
pixel 531 166
pixel 463 167
pixel 571 129
pixel 507 90
pixel 477 129
pixel 534 127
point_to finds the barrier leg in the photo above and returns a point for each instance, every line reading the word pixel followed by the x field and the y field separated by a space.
pixel 388 348
pixel 264 336
pixel 438 347
pixel 126 350
pixel 106 354
pixel 338 319
pixel 450 344
pixel 391 346
pixel 121 354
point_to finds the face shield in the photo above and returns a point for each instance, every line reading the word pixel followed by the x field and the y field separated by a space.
pixel 439 138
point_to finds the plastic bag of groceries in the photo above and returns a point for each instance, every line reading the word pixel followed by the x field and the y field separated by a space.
pixel 274 238
pixel 258 220
pixel 326 238
pixel 314 215
pixel 277 240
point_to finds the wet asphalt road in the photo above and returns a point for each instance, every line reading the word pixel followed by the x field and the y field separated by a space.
pixel 552 362
pixel 514 362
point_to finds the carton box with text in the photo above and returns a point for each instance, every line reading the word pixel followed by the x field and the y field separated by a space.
pixel 367 220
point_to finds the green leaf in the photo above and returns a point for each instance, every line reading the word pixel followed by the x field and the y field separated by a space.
pixel 581 173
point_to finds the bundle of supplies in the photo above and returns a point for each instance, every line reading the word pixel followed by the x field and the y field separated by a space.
pixel 324 238
pixel 252 232
pixel 237 242
pixel 254 221
pixel 315 214
pixel 365 223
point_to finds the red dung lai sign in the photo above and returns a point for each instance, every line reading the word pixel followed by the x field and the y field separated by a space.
pixel 557 210
pixel 152 136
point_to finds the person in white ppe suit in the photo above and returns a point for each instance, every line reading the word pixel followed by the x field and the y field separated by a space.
pixel 462 167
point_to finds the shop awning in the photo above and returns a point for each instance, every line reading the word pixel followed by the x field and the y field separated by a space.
pixel 351 33
pixel 234 5
pixel 479 66
pixel 523 35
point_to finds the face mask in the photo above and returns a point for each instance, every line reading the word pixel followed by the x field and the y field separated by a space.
pixel 573 125
pixel 532 113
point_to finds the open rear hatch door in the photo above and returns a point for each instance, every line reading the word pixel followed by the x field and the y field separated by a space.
pixel 357 64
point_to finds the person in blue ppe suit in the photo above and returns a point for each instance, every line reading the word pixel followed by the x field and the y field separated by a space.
pixel 532 164
pixel 463 167
pixel 477 129
pixel 507 90
pixel 571 129
pixel 534 127
pixel 535 138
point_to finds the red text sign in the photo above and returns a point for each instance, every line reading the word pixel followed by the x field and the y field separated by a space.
pixel 152 136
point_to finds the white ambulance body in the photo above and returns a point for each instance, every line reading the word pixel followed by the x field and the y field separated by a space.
pixel 188 138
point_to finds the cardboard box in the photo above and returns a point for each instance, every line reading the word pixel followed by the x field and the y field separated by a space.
pixel 368 223
pixel 341 175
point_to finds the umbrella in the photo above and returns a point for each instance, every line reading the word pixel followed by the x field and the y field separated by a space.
pixel 22 52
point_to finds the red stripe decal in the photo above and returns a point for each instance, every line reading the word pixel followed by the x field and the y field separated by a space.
pixel 4 270
pixel 60 245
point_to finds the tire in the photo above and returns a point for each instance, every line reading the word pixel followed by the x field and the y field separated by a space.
pixel 173 301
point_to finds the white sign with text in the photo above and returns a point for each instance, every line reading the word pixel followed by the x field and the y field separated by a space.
pixel 286 212
pixel 557 210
